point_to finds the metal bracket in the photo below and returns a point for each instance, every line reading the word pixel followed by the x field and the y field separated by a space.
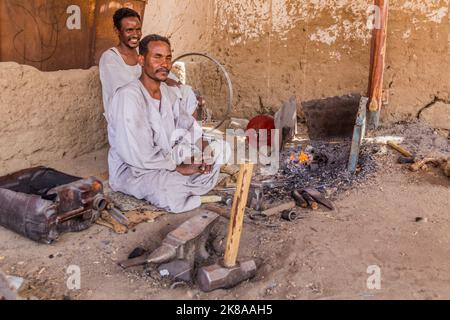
pixel 358 134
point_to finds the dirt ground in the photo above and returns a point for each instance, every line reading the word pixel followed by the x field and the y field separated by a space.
pixel 323 255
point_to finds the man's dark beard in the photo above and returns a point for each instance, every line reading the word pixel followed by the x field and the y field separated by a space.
pixel 154 78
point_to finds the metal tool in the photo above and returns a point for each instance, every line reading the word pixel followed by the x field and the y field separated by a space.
pixel 42 203
pixel 117 214
pixel 9 287
pixel 181 249
pixel 256 196
pixel 317 196
pixel 289 215
pixel 228 272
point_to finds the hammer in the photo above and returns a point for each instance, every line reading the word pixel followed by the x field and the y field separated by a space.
pixel 227 273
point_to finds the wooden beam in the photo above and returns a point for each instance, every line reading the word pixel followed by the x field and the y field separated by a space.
pixel 377 61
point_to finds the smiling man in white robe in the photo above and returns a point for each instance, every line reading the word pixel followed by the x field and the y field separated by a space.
pixel 151 138
pixel 119 65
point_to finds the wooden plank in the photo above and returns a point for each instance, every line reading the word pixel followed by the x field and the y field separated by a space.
pixel 237 214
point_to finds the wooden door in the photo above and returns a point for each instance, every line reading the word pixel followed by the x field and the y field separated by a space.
pixel 58 34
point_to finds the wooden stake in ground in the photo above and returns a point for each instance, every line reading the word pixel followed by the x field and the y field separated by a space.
pixel 237 214
pixel 377 61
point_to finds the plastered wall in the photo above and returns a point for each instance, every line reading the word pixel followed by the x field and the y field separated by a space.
pixel 47 116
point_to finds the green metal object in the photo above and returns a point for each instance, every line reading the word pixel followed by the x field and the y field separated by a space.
pixel 358 135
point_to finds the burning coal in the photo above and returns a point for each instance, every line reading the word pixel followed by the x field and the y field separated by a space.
pixel 321 165
pixel 306 159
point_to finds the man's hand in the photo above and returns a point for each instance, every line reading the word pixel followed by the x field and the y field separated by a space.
pixel 205 168
pixel 208 153
pixel 188 169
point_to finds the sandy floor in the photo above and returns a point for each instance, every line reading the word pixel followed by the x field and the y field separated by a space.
pixel 324 255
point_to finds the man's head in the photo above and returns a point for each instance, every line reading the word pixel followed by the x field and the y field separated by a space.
pixel 155 57
pixel 127 24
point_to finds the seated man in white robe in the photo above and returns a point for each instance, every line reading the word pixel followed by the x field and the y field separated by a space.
pixel 151 138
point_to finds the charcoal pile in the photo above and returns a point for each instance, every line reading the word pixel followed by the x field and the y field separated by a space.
pixel 322 166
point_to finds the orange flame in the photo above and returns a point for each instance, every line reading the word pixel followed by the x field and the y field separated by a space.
pixel 303 157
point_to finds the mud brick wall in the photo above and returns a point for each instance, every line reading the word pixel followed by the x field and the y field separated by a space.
pixel 313 49
pixel 272 48
pixel 46 116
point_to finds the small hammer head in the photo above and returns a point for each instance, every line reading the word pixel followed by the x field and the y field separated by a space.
pixel 217 276
pixel 256 196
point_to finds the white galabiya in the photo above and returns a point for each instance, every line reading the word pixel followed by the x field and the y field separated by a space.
pixel 148 139
pixel 115 73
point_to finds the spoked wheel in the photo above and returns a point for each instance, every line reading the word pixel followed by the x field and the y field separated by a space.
pixel 229 105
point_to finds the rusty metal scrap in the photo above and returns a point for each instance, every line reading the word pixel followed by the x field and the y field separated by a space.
pixel 41 203
pixel 9 287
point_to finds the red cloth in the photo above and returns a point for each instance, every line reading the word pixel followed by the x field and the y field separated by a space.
pixel 262 122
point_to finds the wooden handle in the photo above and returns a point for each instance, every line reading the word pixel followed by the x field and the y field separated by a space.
pixel 403 151
pixel 279 208
pixel 210 199
pixel 377 57
pixel 237 214
pixel 224 212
